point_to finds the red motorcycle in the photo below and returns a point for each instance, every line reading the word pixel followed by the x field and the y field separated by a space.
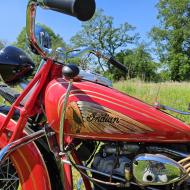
pixel 114 140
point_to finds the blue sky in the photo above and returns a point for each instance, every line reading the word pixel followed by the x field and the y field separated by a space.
pixel 139 13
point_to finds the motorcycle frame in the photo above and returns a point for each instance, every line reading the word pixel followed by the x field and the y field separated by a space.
pixel 31 107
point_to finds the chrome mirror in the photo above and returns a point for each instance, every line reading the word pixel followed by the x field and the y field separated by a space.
pixel 42 36
pixel 43 39
pixel 81 9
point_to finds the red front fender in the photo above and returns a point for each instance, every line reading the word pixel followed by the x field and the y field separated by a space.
pixel 28 163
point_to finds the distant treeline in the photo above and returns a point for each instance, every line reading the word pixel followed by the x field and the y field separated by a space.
pixel 167 57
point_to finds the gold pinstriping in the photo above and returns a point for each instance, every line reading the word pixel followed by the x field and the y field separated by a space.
pixel 29 168
pixel 57 83
pixel 44 165
pixel 19 170
pixel 162 121
pixel 148 116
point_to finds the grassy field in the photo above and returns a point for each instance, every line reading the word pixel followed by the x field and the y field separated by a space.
pixel 176 95
pixel 173 94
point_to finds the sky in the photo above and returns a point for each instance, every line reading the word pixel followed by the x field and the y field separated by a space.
pixel 139 13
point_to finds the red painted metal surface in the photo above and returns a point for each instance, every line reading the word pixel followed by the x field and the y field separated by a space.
pixel 67 175
pixel 79 162
pixel 28 163
pixel 31 106
pixel 28 159
pixel 93 112
pixel 157 125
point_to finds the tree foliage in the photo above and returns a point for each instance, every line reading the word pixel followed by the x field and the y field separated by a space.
pixel 100 33
pixel 2 44
pixel 139 64
pixel 56 41
pixel 172 38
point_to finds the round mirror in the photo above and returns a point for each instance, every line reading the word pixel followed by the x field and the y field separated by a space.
pixel 43 36
pixel 43 39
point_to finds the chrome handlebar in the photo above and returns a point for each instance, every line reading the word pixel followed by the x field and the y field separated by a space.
pixel 67 7
pixel 30 28
pixel 81 9
pixel 64 55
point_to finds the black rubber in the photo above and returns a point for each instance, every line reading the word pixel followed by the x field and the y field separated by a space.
pixel 70 71
pixel 82 9
pixel 5 110
pixel 48 157
pixel 8 93
pixel 118 64
pixel 14 64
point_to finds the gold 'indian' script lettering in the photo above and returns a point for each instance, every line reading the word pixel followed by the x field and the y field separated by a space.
pixel 100 118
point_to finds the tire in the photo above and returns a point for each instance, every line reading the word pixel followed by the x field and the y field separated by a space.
pixel 26 163
pixel 51 165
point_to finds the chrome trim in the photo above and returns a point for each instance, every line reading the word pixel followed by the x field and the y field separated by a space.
pixel 8 149
pixel 163 107
pixel 157 149
pixel 157 169
pixel 62 120
pixel 30 27
pixel 94 77
pixel 105 174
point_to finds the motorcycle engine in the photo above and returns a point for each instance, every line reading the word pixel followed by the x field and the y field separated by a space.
pixel 114 159
pixel 134 163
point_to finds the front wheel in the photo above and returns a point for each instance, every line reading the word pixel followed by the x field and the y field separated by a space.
pixel 9 178
pixel 25 169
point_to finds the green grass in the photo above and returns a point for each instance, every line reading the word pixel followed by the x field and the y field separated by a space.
pixel 176 95
pixel 173 94
pixel 1 100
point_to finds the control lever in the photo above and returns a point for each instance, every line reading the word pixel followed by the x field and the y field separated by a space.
pixel 117 64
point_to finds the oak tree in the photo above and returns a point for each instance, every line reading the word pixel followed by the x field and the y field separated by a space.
pixel 172 37
pixel 100 33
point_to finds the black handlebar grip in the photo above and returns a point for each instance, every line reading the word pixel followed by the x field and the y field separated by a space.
pixel 82 9
pixel 118 64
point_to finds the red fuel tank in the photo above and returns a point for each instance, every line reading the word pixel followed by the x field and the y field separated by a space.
pixel 98 112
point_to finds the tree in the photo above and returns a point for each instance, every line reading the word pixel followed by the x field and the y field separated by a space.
pixel 100 33
pixel 2 44
pixel 139 64
pixel 21 42
pixel 172 38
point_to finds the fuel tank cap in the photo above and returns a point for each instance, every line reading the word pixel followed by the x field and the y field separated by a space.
pixel 70 71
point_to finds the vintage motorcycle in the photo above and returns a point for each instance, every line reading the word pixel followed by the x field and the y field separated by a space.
pixel 114 140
